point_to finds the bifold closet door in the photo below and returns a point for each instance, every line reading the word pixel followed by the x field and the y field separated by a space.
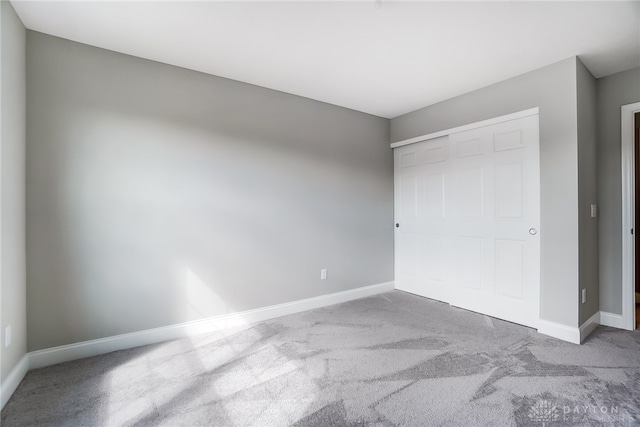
pixel 468 214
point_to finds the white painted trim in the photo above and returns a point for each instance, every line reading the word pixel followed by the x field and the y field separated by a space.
pixel 488 122
pixel 560 331
pixel 628 215
pixel 587 327
pixel 13 380
pixel 65 353
pixel 611 319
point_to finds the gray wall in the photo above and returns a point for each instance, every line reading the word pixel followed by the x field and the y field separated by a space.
pixel 587 190
pixel 553 90
pixel 12 193
pixel 158 195
pixel 612 92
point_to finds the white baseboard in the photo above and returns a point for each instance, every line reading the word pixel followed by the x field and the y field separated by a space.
pixel 612 319
pixel 65 353
pixel 560 331
pixel 13 380
pixel 587 327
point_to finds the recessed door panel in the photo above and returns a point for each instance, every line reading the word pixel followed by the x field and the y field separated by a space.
pixel 470 147
pixel 409 196
pixel 471 264
pixel 435 154
pixel 434 195
pixel 408 245
pixel 470 188
pixel 509 264
pixel 509 199
pixel 434 258
pixel 408 159
pixel 508 140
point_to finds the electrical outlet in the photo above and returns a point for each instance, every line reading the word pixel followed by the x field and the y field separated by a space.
pixel 7 336
pixel 323 274
pixel 584 296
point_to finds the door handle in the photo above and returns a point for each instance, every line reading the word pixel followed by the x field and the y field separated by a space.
pixel 397 225
pixel 533 231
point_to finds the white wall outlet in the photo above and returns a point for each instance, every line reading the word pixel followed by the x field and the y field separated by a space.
pixel 323 274
pixel 584 296
pixel 7 336
pixel 594 210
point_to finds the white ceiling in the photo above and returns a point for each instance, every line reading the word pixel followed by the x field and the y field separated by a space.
pixel 382 57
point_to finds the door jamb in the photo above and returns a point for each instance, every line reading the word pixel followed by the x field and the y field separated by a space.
pixel 628 214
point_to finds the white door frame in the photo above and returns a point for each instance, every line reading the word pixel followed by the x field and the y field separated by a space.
pixel 628 215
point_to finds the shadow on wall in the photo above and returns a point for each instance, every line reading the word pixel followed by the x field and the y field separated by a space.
pixel 137 171
pixel 129 207
pixel 144 204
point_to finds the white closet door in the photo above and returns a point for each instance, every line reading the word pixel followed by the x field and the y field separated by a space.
pixel 422 175
pixel 468 210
